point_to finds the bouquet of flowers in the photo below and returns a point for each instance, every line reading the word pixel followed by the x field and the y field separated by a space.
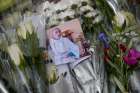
pixel 24 59
pixel 118 34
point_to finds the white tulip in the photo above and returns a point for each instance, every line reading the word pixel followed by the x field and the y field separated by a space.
pixel 51 70
pixel 15 54
pixel 25 27
pixel 29 27
pixel 119 19
pixel 21 31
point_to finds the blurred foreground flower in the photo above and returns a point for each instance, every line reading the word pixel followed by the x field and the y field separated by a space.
pixel 122 16
pixel 15 54
pixel 132 57
pixel 51 73
pixel 24 28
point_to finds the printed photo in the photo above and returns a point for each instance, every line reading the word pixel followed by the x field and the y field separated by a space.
pixel 67 42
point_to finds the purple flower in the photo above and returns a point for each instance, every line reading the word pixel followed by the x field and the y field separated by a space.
pixel 130 61
pixel 134 53
pixel 103 38
pixel 132 57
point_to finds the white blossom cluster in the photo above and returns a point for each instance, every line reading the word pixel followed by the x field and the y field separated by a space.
pixel 68 9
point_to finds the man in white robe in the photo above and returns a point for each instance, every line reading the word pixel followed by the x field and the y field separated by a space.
pixel 63 49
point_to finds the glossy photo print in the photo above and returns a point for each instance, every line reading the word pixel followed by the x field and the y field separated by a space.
pixel 67 42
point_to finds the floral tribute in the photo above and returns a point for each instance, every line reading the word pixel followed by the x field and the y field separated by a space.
pixel 107 23
pixel 119 37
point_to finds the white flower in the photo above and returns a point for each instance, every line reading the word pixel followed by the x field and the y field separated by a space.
pixel 90 14
pixel 133 33
pixel 97 19
pixel 21 31
pixel 124 40
pixel 69 13
pixel 119 19
pixel 127 34
pixel 53 20
pixel 51 70
pixel 77 2
pixel 29 27
pixel 24 28
pixel 46 8
pixel 123 16
pixel 86 8
pixel 61 5
pixel 46 5
pixel 15 54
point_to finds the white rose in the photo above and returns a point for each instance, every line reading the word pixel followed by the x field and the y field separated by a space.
pixel 15 53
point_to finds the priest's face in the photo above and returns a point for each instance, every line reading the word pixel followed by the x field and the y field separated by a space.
pixel 56 33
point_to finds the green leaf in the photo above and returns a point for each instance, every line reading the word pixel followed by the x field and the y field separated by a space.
pixel 115 67
pixel 119 84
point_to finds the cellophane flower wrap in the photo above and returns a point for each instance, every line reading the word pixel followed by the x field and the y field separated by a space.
pixel 116 34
